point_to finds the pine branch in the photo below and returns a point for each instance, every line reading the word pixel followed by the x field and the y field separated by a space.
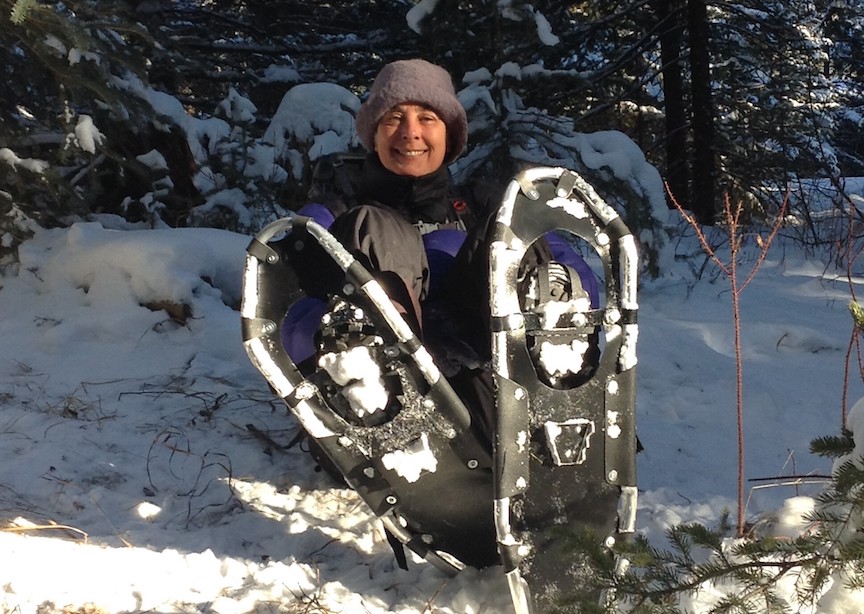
pixel 20 10
pixel 833 446
pixel 857 315
pixel 832 547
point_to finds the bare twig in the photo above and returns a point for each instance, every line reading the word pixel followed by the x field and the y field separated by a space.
pixel 46 527
pixel 732 216
pixel 432 599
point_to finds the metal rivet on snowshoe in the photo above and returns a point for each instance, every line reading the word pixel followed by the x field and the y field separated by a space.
pixel 514 321
pixel 369 472
pixel 299 245
pixel 612 476
pixel 268 327
pixel 473 463
pixel 427 539
pixel 272 259
pixel 566 183
pixel 304 391
pixel 528 188
pixel 610 541
pixel 602 239
pixel 391 351
pixel 391 500
pixel 612 387
pixel 348 289
pixel 358 313
pixel 428 403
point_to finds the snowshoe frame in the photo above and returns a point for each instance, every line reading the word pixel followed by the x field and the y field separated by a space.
pixel 356 450
pixel 603 407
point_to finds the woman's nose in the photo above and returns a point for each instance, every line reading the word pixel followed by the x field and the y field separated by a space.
pixel 410 127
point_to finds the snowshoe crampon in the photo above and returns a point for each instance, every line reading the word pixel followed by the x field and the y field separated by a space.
pixel 565 477
pixel 417 463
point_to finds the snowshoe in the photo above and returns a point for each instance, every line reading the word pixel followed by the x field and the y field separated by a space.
pixel 413 455
pixel 565 441
pixel 561 468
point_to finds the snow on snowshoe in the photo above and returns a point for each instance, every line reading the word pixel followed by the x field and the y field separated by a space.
pixel 375 403
pixel 565 442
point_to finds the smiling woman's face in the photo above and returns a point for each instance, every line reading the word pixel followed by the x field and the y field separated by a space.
pixel 411 139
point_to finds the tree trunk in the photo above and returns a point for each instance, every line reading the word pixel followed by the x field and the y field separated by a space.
pixel 670 14
pixel 703 169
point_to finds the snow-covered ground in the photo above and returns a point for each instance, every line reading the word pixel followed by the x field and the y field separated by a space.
pixel 136 476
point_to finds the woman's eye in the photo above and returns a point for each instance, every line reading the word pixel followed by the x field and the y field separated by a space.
pixel 392 118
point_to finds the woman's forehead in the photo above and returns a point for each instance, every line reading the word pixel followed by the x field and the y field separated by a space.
pixel 410 106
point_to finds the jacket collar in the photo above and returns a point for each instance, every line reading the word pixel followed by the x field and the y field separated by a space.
pixel 427 198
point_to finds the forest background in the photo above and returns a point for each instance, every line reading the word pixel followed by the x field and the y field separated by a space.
pixel 750 100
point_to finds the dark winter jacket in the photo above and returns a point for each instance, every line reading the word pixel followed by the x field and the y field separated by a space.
pixel 420 199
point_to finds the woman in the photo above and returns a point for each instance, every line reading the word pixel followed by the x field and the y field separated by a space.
pixel 413 125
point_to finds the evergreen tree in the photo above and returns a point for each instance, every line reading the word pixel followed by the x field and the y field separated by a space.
pixel 778 98
pixel 748 570
pixel 843 24
pixel 530 82
pixel 60 109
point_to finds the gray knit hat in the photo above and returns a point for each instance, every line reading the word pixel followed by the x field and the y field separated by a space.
pixel 414 81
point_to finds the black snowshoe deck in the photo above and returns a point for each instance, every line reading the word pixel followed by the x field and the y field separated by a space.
pixel 562 468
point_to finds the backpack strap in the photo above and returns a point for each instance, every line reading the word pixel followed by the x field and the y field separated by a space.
pixel 464 213
pixel 426 227
pixel 337 175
